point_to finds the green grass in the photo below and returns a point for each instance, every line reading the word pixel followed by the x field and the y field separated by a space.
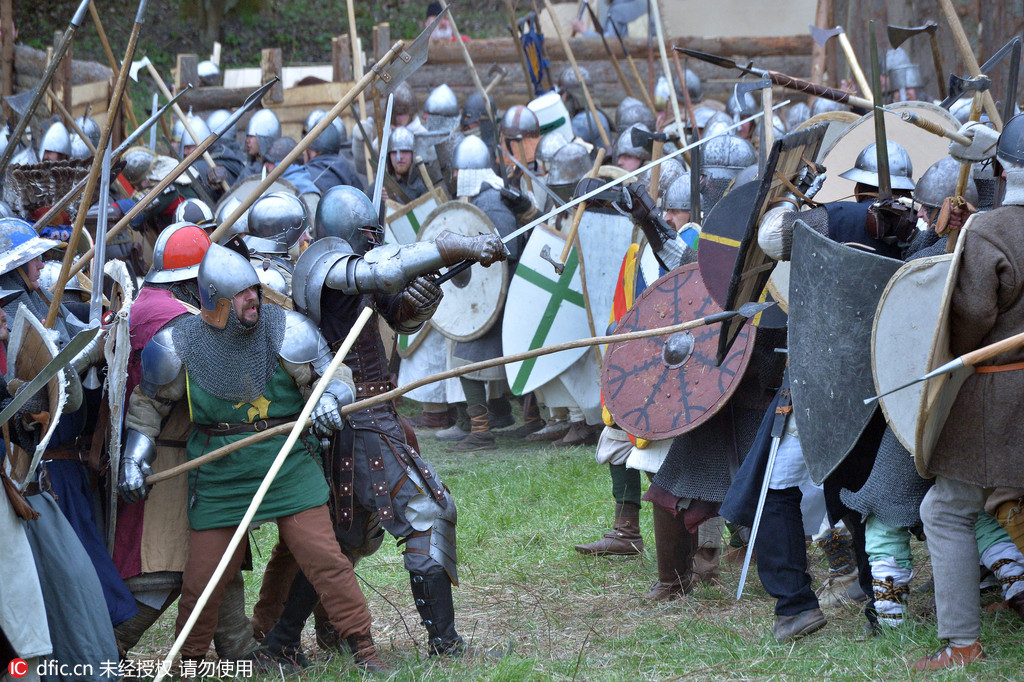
pixel 562 616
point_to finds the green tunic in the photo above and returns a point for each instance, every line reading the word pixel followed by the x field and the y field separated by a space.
pixel 221 491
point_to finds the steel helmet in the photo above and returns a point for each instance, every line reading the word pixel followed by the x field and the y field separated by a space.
pixel 223 272
pixel 939 182
pixel 276 222
pixel 19 244
pixel 865 169
pixel 472 153
pixel 178 251
pixel 346 212
pixel 56 139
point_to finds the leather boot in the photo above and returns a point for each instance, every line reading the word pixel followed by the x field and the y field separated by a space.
pixel 480 436
pixel 579 433
pixel 554 429
pixel 233 638
pixel 364 652
pixel 532 421
pixel 433 595
pixel 675 548
pixel 706 565
pixel 623 539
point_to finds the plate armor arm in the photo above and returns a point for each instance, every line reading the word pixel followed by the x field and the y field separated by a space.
pixel 306 356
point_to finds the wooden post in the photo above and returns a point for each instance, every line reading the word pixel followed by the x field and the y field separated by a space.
pixel 270 68
pixel 341 59
pixel 7 26
pixel 831 56
pixel 817 51
pixel 186 72
pixel 381 40
pixel 63 75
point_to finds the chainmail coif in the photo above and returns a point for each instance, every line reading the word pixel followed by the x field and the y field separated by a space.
pixel 234 363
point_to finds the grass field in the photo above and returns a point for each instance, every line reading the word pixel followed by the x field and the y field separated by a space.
pixel 561 616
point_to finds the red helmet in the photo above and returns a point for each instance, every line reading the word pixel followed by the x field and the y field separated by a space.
pixel 178 251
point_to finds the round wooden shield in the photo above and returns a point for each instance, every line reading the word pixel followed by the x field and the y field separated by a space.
pixel 901 339
pixel 719 245
pixel 661 387
pixel 474 299
pixel 924 148
pixel 778 285
pixel 838 122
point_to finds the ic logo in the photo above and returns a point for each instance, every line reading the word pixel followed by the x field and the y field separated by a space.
pixel 17 668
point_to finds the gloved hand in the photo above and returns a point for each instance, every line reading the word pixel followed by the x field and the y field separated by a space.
pixel 421 296
pixel 519 204
pixel 484 248
pixel 983 143
pixel 136 465
pixel 216 175
pixel 327 417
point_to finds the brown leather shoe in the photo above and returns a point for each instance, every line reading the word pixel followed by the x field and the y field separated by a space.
pixel 951 657
pixel 579 434
pixel 480 436
pixel 623 539
pixel 431 420
pixel 1016 604
pixel 553 430
pixel 365 654
pixel 788 628
pixel 666 591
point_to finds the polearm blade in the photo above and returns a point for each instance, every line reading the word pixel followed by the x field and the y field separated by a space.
pixel 121 148
pixel 100 259
pixel 58 363
pixel 408 60
pixel 58 55
pixel 536 181
pixel 464 265
pixel 382 158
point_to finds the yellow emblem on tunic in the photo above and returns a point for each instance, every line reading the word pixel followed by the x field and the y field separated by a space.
pixel 260 409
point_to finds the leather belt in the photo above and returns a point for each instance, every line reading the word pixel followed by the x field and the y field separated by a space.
pixel 228 429
pixel 64 454
pixel 990 369
pixel 366 389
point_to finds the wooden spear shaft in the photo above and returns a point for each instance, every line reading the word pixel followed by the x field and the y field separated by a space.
pixel 433 378
pixel 964 45
pixel 579 75
pixel 94 174
pixel 294 154
pixel 578 216
pixel 656 12
pixel 95 14
pixel 261 492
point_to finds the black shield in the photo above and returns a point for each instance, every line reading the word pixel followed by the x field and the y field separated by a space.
pixel 833 294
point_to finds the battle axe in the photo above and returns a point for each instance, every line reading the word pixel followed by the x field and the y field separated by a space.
pixel 822 36
pixel 900 34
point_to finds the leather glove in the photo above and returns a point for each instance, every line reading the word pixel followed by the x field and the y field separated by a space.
pixel 484 248
pixel 639 206
pixel 136 465
pixel 327 417
pixel 983 143
pixel 216 175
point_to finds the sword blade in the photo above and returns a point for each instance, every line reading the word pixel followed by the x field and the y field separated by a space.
pixel 757 515
pixel 382 156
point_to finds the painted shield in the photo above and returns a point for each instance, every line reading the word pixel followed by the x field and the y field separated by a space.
pixel 30 348
pixel 938 394
pixel 837 121
pixel 833 293
pixel 924 147
pixel 404 221
pixel 720 239
pixel 751 267
pixel 661 387
pixel 239 193
pixel 545 308
pixel 901 339
pixel 473 300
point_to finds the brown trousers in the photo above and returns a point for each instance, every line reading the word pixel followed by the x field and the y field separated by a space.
pixel 310 537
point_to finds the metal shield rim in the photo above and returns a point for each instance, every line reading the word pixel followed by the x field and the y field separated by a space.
pixel 499 308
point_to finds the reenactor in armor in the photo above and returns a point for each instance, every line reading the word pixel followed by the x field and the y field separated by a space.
pixel 476 117
pixel 371 465
pixel 241 366
pixel 724 157
pixel 520 135
pixel 903 77
pixel 56 144
pixel 441 110
pixel 276 232
pixel 405 106
pixel 79 149
pixel 626 156
pixel 152 533
pixel 571 90
pixel 323 158
pixel 262 131
pixel 584 128
pixel 400 163
pixel 630 111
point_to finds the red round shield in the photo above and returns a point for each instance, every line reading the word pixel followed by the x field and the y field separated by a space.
pixel 660 387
